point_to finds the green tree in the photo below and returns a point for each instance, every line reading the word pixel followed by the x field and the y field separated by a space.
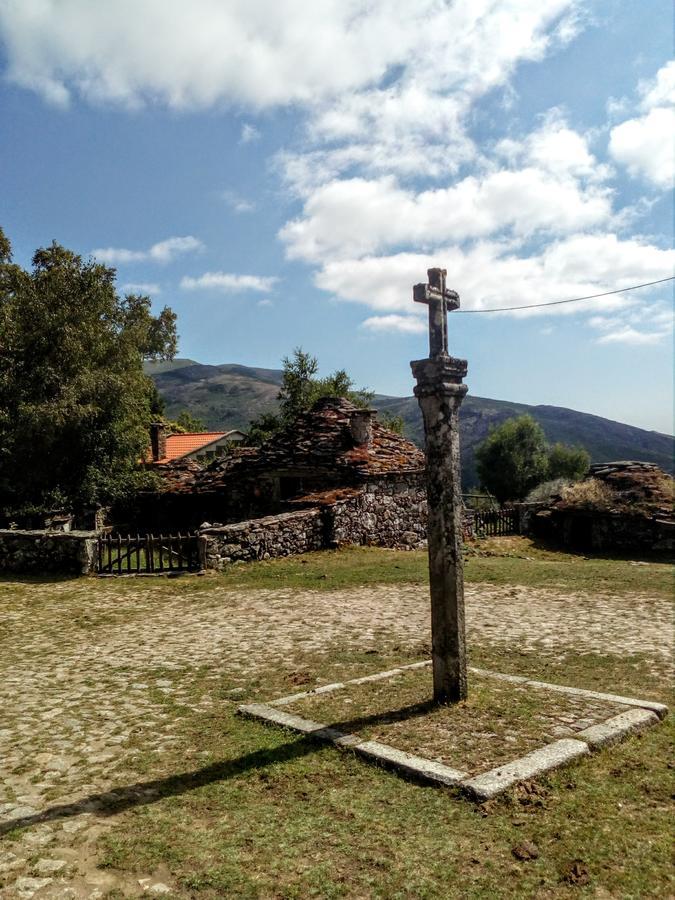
pixel 186 423
pixel 513 458
pixel 75 405
pixel 392 422
pixel 567 462
pixel 300 389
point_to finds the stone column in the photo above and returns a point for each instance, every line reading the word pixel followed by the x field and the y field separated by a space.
pixel 440 392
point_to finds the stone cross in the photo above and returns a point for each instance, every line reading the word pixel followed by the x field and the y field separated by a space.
pixel 440 300
pixel 440 392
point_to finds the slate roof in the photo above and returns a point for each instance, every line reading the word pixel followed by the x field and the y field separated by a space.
pixel 178 475
pixel 319 441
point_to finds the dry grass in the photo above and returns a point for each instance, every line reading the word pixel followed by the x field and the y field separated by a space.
pixel 590 494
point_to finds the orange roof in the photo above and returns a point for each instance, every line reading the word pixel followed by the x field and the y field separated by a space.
pixel 179 445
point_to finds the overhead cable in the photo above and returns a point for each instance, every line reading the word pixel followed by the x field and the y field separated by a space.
pixel 633 287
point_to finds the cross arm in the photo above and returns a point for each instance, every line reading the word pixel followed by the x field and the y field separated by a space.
pixel 426 293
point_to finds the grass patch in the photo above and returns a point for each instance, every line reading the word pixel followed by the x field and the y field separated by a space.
pixel 516 560
pixel 259 812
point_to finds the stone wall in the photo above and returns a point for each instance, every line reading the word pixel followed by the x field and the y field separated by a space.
pixel 272 536
pixel 54 552
pixel 386 513
pixel 581 530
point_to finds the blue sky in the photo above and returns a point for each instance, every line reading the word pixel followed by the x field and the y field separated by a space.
pixel 281 174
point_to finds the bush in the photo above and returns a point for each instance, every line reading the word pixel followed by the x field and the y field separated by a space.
pixel 547 490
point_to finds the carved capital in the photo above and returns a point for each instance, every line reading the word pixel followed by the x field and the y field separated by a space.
pixel 440 377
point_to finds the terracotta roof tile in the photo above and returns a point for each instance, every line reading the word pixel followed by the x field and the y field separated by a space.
pixel 179 445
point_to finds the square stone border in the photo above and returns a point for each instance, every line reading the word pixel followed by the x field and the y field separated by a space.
pixel 486 785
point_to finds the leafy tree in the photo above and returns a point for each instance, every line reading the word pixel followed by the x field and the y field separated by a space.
pixel 300 389
pixel 513 458
pixel 75 405
pixel 185 423
pixel 567 462
pixel 392 422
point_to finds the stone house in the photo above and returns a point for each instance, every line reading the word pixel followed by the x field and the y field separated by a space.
pixel 362 483
pixel 335 476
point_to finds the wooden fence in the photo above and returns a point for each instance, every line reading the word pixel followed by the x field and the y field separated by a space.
pixel 147 554
pixel 488 523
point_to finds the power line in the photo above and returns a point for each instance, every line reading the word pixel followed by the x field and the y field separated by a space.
pixel 559 302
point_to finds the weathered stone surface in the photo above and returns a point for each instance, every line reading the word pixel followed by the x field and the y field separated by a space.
pixel 415 766
pixel 660 709
pixel 277 717
pixel 624 505
pixel 500 676
pixel 272 536
pixel 387 512
pixel 489 784
pixel 63 552
pixel 615 729
pixel 27 887
pixel 440 392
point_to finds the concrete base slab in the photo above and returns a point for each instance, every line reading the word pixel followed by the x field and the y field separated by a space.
pixel 613 730
pixel 415 766
pixel 552 756
pixel 660 709
pixel 641 714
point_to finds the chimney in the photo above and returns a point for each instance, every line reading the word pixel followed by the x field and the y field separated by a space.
pixel 158 440
pixel 361 426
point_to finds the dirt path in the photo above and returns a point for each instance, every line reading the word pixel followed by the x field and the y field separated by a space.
pixel 79 682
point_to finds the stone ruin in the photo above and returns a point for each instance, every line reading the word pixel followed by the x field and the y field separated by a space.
pixel 625 505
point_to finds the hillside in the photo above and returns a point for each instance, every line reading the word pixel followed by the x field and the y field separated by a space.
pixel 230 395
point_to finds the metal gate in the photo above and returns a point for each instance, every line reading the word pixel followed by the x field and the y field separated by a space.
pixel 144 554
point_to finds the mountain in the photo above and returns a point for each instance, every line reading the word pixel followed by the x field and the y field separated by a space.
pixel 230 395
pixel 604 439
pixel 224 397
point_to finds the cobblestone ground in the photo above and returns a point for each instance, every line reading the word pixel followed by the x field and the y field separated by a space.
pixel 82 664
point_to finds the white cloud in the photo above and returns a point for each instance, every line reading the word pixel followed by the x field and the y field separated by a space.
pixel 238 203
pixel 641 323
pixel 345 218
pixel 249 134
pixel 266 302
pixel 402 324
pixel 629 335
pixel 645 146
pixel 229 283
pixel 207 52
pixel 556 148
pixel 162 252
pixel 489 274
pixel 660 91
pixel 141 287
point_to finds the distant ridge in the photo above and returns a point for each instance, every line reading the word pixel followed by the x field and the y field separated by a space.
pixel 230 395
